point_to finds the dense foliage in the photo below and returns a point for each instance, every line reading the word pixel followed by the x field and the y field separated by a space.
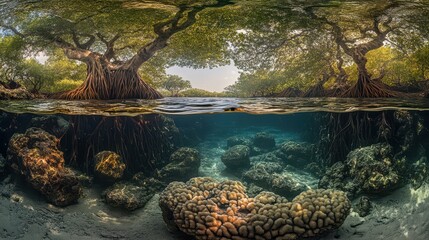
pixel 277 45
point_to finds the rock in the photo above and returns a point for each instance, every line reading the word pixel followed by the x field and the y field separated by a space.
pixel 370 169
pixel 184 164
pixel 131 195
pixel 271 177
pixel 373 168
pixel 108 166
pixel 54 125
pixel 237 157
pixel 14 93
pixel 264 141
pixel 36 156
pixel 364 206
pixel 235 140
pixel 296 153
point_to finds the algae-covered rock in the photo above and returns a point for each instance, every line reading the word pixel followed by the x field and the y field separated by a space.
pixel 131 195
pixel 237 157
pixel 264 141
pixel 236 140
pixel 36 156
pixel 370 169
pixel 109 166
pixel 184 164
pixel 208 209
pixel 271 177
pixel 296 153
pixel 373 168
pixel 338 177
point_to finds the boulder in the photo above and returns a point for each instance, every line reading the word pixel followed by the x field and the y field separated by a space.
pixel 373 168
pixel 108 166
pixel 264 141
pixel 36 156
pixel 237 157
pixel 271 177
pixel 131 195
pixel 184 164
pixel 296 153
pixel 236 140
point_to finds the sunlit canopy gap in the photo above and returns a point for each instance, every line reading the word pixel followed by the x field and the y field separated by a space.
pixel 121 49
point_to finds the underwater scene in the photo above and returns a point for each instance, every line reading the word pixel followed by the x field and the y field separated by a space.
pixel 214 119
pixel 214 169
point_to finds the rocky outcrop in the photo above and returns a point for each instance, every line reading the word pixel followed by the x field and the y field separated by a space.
pixel 184 164
pixel 371 169
pixel 108 166
pixel 272 177
pixel 296 153
pixel 264 141
pixel 36 156
pixel 237 157
pixel 131 195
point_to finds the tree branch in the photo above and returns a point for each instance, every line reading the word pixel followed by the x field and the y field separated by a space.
pixel 165 30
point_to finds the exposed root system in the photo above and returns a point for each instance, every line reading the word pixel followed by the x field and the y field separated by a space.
pixel 366 87
pixel 104 83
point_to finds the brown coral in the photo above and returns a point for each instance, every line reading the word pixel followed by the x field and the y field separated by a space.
pixel 109 166
pixel 208 209
pixel 35 155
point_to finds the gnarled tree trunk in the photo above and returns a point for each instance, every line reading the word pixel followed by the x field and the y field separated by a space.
pixel 106 82
pixel 365 86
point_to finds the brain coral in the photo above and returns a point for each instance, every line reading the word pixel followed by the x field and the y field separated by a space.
pixel 208 209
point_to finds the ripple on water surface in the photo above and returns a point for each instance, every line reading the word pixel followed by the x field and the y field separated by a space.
pixel 211 105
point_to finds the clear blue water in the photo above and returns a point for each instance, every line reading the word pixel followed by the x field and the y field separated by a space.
pixel 301 142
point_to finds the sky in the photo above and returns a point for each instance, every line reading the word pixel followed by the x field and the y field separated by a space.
pixel 215 79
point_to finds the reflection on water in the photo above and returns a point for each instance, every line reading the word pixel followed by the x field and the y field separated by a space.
pixel 185 106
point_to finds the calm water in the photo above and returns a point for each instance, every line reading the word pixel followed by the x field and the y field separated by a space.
pixel 370 150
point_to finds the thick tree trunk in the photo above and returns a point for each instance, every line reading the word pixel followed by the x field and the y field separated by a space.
pixel 106 82
pixel 366 87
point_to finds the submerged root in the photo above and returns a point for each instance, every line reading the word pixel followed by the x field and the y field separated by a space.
pixel 143 142
pixel 344 132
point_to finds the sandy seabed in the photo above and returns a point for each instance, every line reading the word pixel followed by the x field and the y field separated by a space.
pixel 24 214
